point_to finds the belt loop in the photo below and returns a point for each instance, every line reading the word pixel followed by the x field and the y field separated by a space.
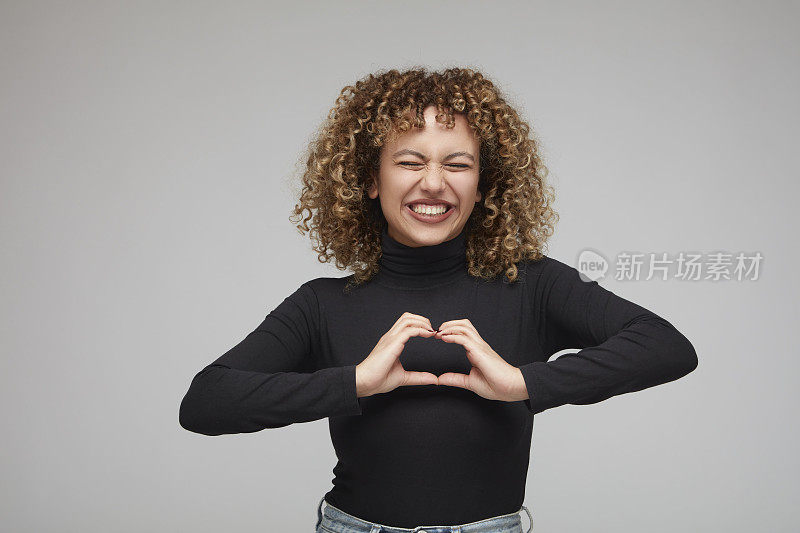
pixel 375 529
pixel 319 513
pixel 530 518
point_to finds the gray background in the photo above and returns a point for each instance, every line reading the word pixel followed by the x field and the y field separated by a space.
pixel 147 152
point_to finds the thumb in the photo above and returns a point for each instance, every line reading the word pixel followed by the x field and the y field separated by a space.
pixel 421 378
pixel 454 379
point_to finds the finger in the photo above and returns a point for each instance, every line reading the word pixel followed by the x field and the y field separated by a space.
pixel 415 330
pixel 460 330
pixel 472 349
pixel 411 321
pixel 420 378
pixel 419 324
pixel 415 316
pixel 456 338
pixel 407 317
pixel 450 323
pixel 454 379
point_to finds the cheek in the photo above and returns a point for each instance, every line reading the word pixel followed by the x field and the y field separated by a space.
pixel 397 185
pixel 468 192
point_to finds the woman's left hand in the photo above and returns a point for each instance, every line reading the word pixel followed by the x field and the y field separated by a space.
pixel 491 376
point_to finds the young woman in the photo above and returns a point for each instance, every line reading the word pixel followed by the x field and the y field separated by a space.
pixel 431 359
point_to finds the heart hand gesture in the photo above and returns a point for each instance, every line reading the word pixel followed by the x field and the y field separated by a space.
pixel 382 371
pixel 491 376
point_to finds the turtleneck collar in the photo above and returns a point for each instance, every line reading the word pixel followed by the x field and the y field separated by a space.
pixel 404 266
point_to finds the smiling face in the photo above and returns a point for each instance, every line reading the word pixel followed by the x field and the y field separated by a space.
pixel 435 169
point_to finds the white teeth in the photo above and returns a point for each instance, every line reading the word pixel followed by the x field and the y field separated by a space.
pixel 428 209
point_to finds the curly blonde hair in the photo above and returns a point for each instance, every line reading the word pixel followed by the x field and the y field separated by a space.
pixel 511 223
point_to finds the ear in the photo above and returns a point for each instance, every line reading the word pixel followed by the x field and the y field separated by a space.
pixel 372 190
pixel 478 195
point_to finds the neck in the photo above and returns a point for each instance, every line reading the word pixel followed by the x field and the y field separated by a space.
pixel 403 266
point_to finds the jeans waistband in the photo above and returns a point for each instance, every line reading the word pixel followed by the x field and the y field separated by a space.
pixel 376 528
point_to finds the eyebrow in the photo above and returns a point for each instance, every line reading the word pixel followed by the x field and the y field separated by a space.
pixel 451 156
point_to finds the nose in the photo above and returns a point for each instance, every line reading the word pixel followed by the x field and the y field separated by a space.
pixel 433 181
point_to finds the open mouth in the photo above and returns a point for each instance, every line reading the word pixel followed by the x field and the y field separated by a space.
pixel 430 212
pixel 430 209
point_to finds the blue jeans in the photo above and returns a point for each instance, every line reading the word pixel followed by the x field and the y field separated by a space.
pixel 334 520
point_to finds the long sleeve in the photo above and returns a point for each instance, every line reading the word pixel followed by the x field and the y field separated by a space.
pixel 624 347
pixel 268 380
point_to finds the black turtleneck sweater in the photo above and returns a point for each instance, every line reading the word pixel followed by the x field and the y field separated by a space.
pixel 433 454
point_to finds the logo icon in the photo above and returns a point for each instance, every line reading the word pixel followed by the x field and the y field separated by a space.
pixel 592 266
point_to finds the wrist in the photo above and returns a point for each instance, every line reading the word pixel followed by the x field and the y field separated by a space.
pixel 361 389
pixel 358 384
pixel 519 391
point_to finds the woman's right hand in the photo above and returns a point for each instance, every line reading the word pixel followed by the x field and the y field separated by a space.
pixel 382 371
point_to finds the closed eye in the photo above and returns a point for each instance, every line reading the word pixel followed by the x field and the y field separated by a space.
pixel 456 165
